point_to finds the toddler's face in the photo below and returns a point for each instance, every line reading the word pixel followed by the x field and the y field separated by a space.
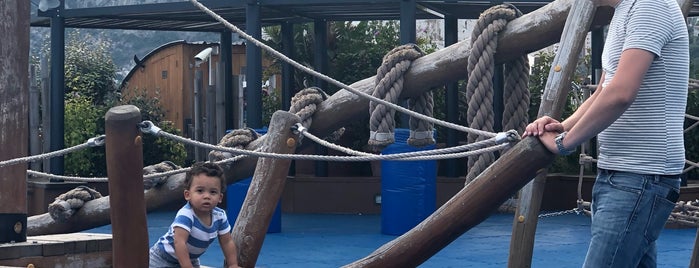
pixel 204 193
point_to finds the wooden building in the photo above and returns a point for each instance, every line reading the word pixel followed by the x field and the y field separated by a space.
pixel 168 72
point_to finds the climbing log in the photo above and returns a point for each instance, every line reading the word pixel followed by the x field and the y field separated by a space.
pixel 470 206
pixel 265 189
pixel 443 66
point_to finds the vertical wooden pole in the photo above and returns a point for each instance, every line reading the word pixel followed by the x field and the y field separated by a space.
pixel 45 111
pixel 14 83
pixel 125 171
pixel 552 103
pixel 265 189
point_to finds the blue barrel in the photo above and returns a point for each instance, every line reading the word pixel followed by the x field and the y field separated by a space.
pixel 236 193
pixel 408 188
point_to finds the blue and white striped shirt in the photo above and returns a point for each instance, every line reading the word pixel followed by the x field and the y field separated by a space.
pixel 648 137
pixel 200 236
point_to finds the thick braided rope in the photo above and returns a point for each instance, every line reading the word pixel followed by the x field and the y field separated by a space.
pixel 238 138
pixel 516 95
pixel 159 168
pixel 479 88
pixel 389 84
pixel 65 205
pixel 421 131
pixel 305 103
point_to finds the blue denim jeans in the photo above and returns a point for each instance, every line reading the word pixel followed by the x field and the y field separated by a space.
pixel 628 212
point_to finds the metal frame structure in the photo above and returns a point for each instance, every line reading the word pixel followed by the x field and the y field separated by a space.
pixel 252 15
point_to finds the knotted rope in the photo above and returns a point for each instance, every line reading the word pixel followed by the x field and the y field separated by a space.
pixel 238 138
pixel 389 84
pixel 150 182
pixel 479 89
pixel 65 205
pixel 304 104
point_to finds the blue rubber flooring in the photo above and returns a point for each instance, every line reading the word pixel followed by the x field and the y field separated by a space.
pixel 328 240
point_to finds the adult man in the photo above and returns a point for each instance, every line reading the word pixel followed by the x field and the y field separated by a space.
pixel 637 112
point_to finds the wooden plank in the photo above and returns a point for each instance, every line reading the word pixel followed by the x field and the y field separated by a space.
pixel 265 189
pixel 553 101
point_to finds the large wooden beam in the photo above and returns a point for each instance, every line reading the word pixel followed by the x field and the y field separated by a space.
pixel 466 209
pixel 533 31
pixel 265 189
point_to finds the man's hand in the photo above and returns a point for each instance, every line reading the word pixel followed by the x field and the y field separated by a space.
pixel 543 125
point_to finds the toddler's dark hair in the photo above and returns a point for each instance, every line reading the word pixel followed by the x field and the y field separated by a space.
pixel 209 169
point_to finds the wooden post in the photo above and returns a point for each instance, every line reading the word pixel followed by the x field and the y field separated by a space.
pixel 124 151
pixel 552 103
pixel 14 85
pixel 265 189
pixel 469 207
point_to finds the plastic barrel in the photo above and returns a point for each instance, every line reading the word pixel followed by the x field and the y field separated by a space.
pixel 236 193
pixel 408 188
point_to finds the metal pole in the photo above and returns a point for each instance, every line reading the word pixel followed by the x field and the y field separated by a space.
pixel 57 89
pixel 197 113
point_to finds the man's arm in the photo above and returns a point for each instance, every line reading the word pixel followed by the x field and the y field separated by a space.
pixel 611 101
pixel 569 122
pixel 230 252
pixel 181 251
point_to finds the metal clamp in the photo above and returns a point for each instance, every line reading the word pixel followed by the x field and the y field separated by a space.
pixel 149 128
pixel 508 136
pixel 96 141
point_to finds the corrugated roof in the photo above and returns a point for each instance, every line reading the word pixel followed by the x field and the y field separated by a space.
pixel 184 16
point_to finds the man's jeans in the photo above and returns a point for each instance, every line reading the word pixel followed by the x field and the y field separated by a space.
pixel 628 212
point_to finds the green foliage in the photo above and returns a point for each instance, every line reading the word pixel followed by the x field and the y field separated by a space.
pixel 157 149
pixel 83 121
pixel 691 138
pixel 89 69
pixel 271 103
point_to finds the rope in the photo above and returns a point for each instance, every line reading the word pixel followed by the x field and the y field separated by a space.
pixel 446 153
pixel 92 142
pixel 65 205
pixel 388 86
pixel 157 169
pixel 238 138
pixel 334 82
pixel 481 66
pixel 148 127
pixel 305 103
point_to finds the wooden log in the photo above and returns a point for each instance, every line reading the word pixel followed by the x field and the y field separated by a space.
pixel 466 209
pixel 443 66
pixel 553 101
pixel 14 85
pixel 265 189
pixel 124 150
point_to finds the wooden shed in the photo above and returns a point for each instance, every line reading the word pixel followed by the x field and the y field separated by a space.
pixel 168 72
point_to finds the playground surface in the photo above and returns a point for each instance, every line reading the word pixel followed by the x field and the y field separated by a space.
pixel 330 240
